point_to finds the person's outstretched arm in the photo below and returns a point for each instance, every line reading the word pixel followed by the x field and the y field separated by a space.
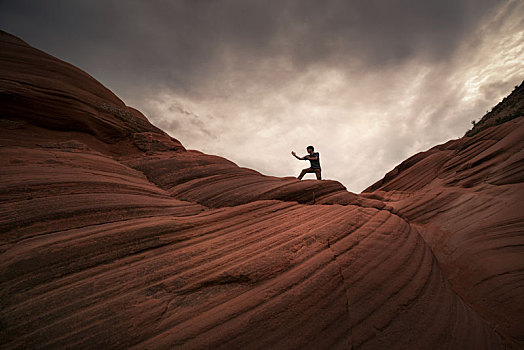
pixel 297 157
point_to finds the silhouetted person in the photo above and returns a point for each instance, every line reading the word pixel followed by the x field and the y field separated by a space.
pixel 314 160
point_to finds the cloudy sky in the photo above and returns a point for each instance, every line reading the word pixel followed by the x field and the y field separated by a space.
pixel 368 82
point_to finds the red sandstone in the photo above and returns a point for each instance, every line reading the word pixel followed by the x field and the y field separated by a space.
pixel 113 235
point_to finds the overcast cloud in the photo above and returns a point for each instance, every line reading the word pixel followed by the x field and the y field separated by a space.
pixel 368 83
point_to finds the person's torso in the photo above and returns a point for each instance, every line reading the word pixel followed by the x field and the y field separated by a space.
pixel 315 163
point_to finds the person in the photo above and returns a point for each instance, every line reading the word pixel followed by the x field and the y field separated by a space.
pixel 314 160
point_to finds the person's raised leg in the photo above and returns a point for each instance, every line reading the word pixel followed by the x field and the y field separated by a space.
pixel 302 173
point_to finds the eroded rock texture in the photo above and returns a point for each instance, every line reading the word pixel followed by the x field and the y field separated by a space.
pixel 466 199
pixel 113 235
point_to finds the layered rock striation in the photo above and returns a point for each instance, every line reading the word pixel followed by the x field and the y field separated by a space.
pixel 114 235
pixel 465 197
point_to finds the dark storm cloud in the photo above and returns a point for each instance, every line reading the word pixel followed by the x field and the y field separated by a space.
pixel 182 43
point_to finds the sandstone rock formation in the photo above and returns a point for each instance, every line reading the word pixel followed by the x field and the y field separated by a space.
pixel 113 235
pixel 466 199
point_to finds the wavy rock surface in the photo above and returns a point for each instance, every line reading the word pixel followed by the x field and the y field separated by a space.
pixel 114 235
pixel 466 199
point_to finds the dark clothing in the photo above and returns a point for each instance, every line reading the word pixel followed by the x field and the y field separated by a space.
pixel 317 172
pixel 315 164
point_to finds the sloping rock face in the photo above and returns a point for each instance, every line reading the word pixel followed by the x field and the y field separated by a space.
pixel 466 199
pixel 113 235
pixel 509 108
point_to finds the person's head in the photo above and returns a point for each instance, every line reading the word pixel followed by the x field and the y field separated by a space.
pixel 310 149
